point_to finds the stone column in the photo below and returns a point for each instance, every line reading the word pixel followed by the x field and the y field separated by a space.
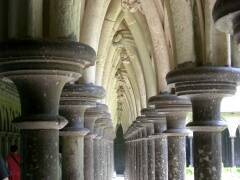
pixel 105 121
pixel 127 159
pixel 2 134
pixel 18 143
pixel 139 155
pixel 226 17
pixel 100 124
pixel 133 155
pixel 96 151
pixel 112 155
pixel 13 139
pixel 175 110
pixel 109 132
pixel 90 116
pixel 161 147
pixel 39 75
pixel 150 145
pixel 144 152
pixel 129 154
pixel 75 99
pixel 206 86
pixel 5 147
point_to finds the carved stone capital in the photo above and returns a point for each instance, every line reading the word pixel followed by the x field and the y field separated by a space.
pixel 131 6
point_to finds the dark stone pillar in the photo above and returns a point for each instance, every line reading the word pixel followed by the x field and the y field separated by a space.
pixel 130 164
pixel 140 164
pixel 161 152
pixel 145 158
pixel 5 146
pixel 175 110
pixel 161 157
pixel 127 157
pixel 143 150
pixel 2 134
pixel 150 145
pixel 75 99
pixel 206 86
pixel 90 116
pixel 138 153
pixel 40 69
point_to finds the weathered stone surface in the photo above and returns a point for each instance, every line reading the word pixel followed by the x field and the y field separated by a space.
pixel 175 110
pixel 75 99
pixel 161 157
pixel 39 69
pixel 226 17
pixel 206 86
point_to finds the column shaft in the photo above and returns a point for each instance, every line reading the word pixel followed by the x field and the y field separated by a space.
pixel 105 160
pixel 145 159
pixel 88 158
pixel 101 153
pixel 38 149
pixel 207 155
pixel 151 158
pixel 97 160
pixel 176 157
pixel 72 150
pixel 140 165
pixel 161 158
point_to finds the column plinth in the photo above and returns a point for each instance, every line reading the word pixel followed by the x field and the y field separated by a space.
pixel 75 99
pixel 90 116
pixel 40 69
pixel 206 86
pixel 175 110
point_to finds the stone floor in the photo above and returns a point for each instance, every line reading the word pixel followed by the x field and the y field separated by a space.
pixel 119 177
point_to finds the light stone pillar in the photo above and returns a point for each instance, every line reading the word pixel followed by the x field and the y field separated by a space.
pixel 90 116
pixel 100 124
pixel 109 135
pixel 175 110
pixel 161 152
pixel 96 151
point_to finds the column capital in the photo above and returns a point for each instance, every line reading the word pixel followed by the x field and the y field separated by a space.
pixel 159 120
pixel 31 64
pixel 175 110
pixel 205 87
pixel 226 17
